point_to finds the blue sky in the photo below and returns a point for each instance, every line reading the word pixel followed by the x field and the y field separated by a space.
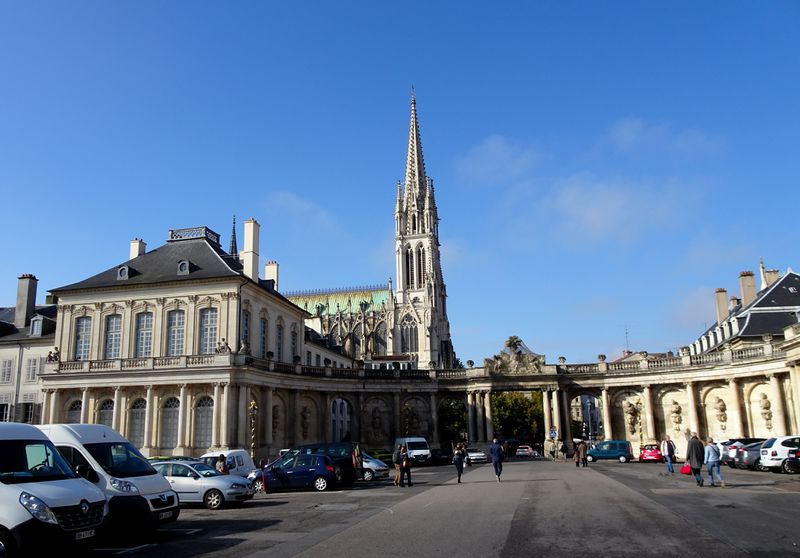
pixel 598 166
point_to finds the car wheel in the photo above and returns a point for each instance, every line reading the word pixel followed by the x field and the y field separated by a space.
pixel 623 459
pixel 787 468
pixel 258 485
pixel 759 467
pixel 6 544
pixel 213 499
pixel 320 484
pixel 368 475
pixel 589 458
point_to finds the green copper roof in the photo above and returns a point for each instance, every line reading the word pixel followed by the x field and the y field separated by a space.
pixel 330 301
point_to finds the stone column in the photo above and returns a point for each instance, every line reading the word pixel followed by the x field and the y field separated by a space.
pixel 480 423
pixel 45 416
pixel 84 405
pixel 360 415
pixel 297 432
pixel 567 419
pixel 471 416
pixel 435 419
pixel 54 397
pixel 327 423
pixel 216 418
pixel 268 418
pixel 223 416
pixel 487 405
pixel 735 413
pixel 557 412
pixel 778 412
pixel 115 414
pixel 794 382
pixel 149 415
pixel 397 431
pixel 694 423
pixel 242 417
pixel 648 414
pixel 608 430
pixel 548 420
pixel 181 448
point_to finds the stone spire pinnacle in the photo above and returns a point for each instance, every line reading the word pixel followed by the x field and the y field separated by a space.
pixel 415 164
pixel 764 282
pixel 233 250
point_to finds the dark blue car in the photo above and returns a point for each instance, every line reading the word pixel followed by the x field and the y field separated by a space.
pixel 297 471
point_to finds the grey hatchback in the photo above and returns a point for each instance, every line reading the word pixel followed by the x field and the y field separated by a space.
pixel 196 482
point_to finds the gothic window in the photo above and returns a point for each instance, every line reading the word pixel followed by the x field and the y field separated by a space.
pixel 357 337
pixel 136 418
pixel 83 338
pixel 203 421
pixel 408 335
pixel 340 419
pixel 379 340
pixel 169 423
pixel 106 415
pixel 422 266
pixel 176 328
pixel 414 224
pixel 208 330
pixel 74 412
pixel 262 338
pixel 144 334
pixel 113 336
pixel 409 275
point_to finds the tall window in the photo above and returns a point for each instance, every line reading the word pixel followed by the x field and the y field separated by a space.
pixel 279 342
pixel 203 422
pixel 113 336
pixel 74 412
pixel 379 340
pixel 32 367
pixel 262 338
pixel 176 328
pixel 144 334
pixel 245 326
pixel 409 275
pixel 308 358
pixel 5 371
pixel 106 412
pixel 294 343
pixel 208 330
pixel 4 410
pixel 136 424
pixel 83 337
pixel 27 412
pixel 408 335
pixel 340 419
pixel 318 360
pixel 36 328
pixel 169 423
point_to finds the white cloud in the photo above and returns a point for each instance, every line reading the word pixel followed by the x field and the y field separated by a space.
pixel 496 159
pixel 628 135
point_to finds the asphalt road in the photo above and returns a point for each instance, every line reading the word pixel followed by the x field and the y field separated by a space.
pixel 539 508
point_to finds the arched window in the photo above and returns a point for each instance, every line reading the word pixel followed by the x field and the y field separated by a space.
pixel 408 335
pixel 113 336
pixel 136 416
pixel 176 328
pixel 106 415
pixel 409 275
pixel 203 422
pixel 379 338
pixel 340 419
pixel 74 412
pixel 169 423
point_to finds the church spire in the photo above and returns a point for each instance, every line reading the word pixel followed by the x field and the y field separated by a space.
pixel 233 250
pixel 415 164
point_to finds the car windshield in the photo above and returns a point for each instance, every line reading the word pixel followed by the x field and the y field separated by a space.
pixel 120 459
pixel 650 447
pixel 417 446
pixel 204 470
pixel 24 461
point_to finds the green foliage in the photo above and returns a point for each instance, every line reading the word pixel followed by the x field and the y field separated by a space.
pixel 518 415
pixel 452 421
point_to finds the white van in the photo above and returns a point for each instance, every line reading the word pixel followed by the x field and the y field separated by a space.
pixel 417 447
pixel 43 502
pixel 238 461
pixel 137 495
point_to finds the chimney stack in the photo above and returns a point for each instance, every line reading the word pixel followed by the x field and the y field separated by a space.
pixel 26 300
pixel 138 248
pixel 772 276
pixel 249 255
pixel 721 298
pixel 271 272
pixel 747 284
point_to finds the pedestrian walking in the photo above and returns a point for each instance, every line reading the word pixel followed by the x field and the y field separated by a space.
pixel 576 455
pixel 498 455
pixel 562 449
pixel 695 456
pixel 550 448
pixel 581 451
pixel 711 461
pixel 405 467
pixel 668 451
pixel 458 459
pixel 396 462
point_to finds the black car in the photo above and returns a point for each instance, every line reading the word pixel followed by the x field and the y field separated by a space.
pixel 441 456
pixel 346 455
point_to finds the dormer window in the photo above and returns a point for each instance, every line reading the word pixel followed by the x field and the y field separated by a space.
pixel 184 267
pixel 123 273
pixel 36 327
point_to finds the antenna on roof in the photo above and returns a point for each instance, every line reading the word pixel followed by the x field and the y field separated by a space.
pixel 627 346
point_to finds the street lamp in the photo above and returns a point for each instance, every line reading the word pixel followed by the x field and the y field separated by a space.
pixel 253 415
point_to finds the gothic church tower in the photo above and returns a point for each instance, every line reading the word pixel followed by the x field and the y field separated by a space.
pixel 421 324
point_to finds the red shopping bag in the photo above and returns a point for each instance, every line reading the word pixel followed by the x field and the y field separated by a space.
pixel 686 469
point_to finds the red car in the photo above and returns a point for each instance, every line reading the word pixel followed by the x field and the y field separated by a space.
pixel 651 452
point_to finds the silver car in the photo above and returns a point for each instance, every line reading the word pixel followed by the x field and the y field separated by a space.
pixel 196 482
pixel 374 468
pixel 476 456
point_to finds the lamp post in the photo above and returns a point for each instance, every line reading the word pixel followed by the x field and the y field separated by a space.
pixel 253 415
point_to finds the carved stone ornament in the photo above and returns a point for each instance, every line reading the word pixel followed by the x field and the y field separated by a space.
pixel 675 415
pixel 722 416
pixel 766 410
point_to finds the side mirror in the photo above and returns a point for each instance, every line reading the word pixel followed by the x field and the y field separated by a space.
pixel 88 473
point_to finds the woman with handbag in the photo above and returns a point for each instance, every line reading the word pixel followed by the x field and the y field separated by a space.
pixel 458 459
pixel 405 467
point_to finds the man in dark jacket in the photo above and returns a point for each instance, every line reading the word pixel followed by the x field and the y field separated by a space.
pixel 497 454
pixel 695 455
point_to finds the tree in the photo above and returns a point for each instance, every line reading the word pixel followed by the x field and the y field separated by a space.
pixel 452 421
pixel 516 415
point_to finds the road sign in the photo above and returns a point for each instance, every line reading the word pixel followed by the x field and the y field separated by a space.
pixel 553 433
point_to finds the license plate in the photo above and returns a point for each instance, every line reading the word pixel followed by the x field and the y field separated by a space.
pixel 165 515
pixel 80 535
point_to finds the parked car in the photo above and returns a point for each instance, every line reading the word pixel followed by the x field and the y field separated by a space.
pixel 440 456
pixel 747 456
pixel 297 470
pixel 346 456
pixel 776 451
pixel 238 461
pixel 524 451
pixel 652 453
pixel 419 452
pixel 374 469
pixel 381 454
pixel 476 456
pixel 196 482
pixel 620 450
pixel 728 448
